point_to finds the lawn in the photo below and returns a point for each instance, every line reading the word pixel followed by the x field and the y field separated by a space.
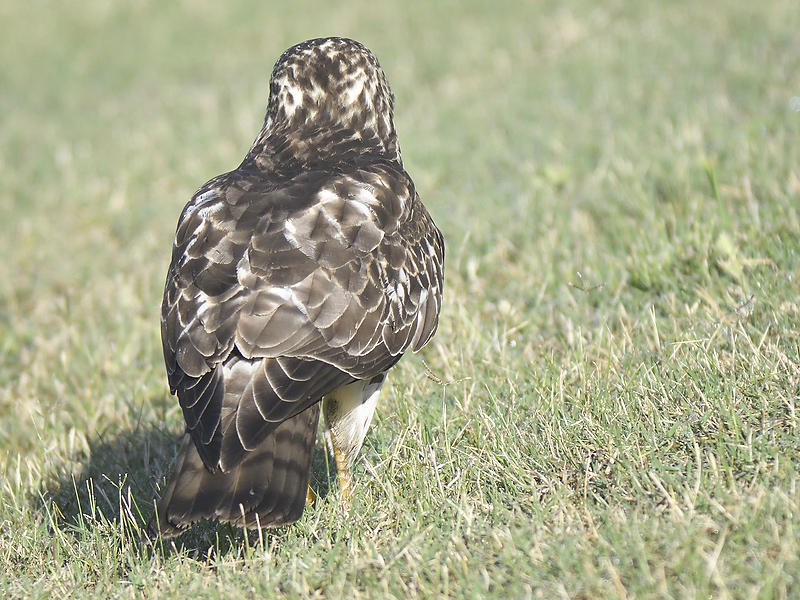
pixel 609 408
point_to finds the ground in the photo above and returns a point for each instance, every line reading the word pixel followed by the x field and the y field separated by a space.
pixel 609 407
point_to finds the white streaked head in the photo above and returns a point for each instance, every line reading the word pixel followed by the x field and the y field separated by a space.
pixel 327 91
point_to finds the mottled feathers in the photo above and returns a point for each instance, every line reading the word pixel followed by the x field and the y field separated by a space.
pixel 311 266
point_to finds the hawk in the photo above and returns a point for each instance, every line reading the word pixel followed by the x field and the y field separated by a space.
pixel 298 279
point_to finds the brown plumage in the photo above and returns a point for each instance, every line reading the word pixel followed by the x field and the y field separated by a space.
pixel 304 273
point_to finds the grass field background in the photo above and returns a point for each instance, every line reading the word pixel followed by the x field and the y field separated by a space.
pixel 609 409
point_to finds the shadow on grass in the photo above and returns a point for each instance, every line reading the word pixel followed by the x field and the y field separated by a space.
pixel 122 479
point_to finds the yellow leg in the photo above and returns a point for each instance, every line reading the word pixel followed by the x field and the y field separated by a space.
pixel 311 496
pixel 348 412
pixel 344 475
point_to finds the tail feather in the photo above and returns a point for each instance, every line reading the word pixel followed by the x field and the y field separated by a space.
pixel 270 482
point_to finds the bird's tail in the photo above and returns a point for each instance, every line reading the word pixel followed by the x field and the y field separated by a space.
pixel 266 489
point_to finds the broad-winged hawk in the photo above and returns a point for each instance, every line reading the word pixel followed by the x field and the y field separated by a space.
pixel 302 275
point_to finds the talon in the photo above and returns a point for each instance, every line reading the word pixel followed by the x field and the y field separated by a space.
pixel 311 496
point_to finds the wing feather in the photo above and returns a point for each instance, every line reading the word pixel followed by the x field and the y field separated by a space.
pixel 311 265
pixel 339 270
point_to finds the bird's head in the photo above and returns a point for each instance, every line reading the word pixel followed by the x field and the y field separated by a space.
pixel 328 96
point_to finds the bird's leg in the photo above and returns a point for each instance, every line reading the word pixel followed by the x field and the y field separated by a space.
pixel 348 412
pixel 344 475
pixel 311 496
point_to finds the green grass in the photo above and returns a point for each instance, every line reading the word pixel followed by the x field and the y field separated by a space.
pixel 609 409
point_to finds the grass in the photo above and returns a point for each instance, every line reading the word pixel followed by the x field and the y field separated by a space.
pixel 609 409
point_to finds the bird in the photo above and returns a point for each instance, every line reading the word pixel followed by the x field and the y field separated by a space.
pixel 297 280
